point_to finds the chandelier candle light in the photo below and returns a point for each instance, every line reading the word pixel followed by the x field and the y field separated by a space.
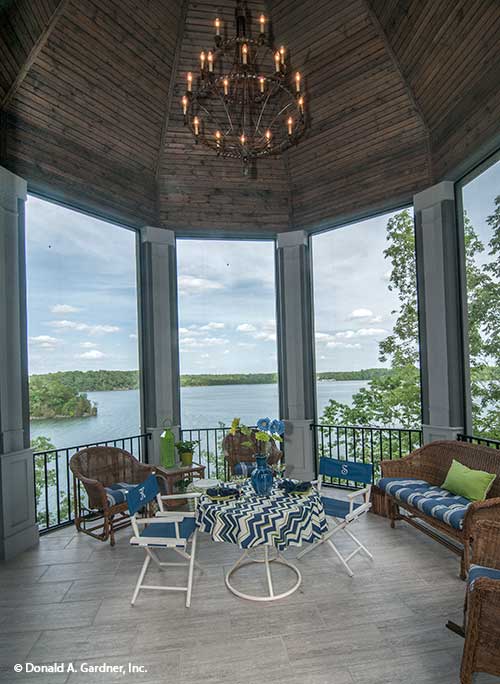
pixel 245 102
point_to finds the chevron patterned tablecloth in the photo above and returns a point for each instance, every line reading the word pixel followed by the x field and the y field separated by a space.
pixel 276 520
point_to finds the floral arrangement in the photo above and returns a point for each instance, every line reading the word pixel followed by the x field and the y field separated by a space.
pixel 267 430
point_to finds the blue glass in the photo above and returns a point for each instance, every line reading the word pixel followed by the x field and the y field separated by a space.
pixel 262 477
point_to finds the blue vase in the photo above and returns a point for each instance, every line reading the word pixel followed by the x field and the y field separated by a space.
pixel 262 476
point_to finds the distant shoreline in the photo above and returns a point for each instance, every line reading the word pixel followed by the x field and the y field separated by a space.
pixel 109 381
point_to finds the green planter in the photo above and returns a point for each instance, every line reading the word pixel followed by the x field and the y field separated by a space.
pixel 187 458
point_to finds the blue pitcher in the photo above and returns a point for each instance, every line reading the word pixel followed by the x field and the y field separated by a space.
pixel 262 476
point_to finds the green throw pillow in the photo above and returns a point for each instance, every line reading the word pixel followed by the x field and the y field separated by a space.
pixel 472 484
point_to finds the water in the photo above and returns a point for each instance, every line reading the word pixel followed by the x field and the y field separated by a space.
pixel 118 412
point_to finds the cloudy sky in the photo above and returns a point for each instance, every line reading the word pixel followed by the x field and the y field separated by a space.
pixel 82 308
pixel 82 294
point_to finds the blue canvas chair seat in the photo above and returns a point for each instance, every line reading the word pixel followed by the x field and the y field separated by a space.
pixel 167 530
pixel 477 571
pixel 429 499
pixel 344 512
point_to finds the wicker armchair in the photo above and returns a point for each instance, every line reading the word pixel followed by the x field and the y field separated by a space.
pixel 431 463
pixel 97 468
pixel 481 627
pixel 235 451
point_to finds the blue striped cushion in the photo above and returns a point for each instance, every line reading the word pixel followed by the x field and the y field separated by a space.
pixel 429 499
pixel 117 493
pixel 477 571
pixel 244 468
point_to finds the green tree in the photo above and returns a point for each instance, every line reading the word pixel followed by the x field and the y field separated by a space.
pixel 46 480
pixel 393 399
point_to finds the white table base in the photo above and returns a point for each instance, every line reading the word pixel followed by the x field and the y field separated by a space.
pixel 246 559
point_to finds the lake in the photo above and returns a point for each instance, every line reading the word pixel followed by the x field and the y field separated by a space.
pixel 202 407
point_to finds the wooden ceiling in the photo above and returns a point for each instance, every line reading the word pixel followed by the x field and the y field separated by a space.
pixel 402 93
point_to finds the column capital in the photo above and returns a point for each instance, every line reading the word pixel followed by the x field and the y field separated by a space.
pixel 160 236
pixel 295 238
pixel 12 188
pixel 436 194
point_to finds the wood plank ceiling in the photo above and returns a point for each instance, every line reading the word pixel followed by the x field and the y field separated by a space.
pixel 401 93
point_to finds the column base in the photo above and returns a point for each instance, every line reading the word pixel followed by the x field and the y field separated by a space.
pixel 436 433
pixel 299 450
pixel 18 527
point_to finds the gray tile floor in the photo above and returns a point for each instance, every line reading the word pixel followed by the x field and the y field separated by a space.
pixel 69 601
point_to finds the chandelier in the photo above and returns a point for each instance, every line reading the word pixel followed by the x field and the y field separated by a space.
pixel 245 102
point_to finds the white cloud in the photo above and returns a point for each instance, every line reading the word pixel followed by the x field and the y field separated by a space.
pixel 213 326
pixel 93 354
pixel 357 314
pixel 44 342
pixel 362 332
pixel 64 309
pixel 88 345
pixel 343 345
pixel 133 336
pixel 376 319
pixel 188 284
pixel 84 327
pixel 184 331
pixel 202 342
pixel 265 336
pixel 246 328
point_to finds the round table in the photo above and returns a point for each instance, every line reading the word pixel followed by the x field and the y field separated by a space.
pixel 276 521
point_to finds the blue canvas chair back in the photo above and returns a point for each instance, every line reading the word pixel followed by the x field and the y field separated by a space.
pixel 142 494
pixel 346 470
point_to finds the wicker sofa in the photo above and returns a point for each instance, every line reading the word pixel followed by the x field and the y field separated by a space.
pixel 455 518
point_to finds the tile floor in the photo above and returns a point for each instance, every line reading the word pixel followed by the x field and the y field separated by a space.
pixel 69 601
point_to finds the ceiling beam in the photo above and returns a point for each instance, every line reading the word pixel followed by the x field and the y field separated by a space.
pixel 33 54
pixel 408 89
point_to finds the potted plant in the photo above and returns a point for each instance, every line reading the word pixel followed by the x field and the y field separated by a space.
pixel 267 431
pixel 185 449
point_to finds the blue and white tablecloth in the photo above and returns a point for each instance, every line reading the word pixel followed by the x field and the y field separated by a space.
pixel 276 520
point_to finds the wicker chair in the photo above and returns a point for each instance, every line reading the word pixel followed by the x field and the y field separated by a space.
pixel 431 463
pixel 481 626
pixel 235 451
pixel 98 468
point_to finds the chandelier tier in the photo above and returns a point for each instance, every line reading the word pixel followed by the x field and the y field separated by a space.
pixel 245 102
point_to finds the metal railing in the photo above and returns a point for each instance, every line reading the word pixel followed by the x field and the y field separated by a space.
pixel 364 444
pixel 209 451
pixel 484 441
pixel 54 480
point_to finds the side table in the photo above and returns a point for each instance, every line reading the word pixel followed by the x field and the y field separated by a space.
pixel 177 473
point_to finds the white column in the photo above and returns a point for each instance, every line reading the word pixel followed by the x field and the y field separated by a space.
pixel 439 273
pixel 18 528
pixel 159 338
pixel 296 351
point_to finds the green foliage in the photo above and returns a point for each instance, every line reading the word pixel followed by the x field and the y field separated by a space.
pixel 46 463
pixel 186 446
pixel 51 398
pixel 393 397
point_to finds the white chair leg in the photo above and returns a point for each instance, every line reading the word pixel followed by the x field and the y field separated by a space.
pixel 341 558
pixel 356 540
pixel 141 577
pixel 311 547
pixel 268 572
pixel 191 569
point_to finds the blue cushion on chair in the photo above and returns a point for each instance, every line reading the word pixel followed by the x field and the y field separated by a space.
pixel 336 507
pixel 429 499
pixel 477 571
pixel 117 493
pixel 167 529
